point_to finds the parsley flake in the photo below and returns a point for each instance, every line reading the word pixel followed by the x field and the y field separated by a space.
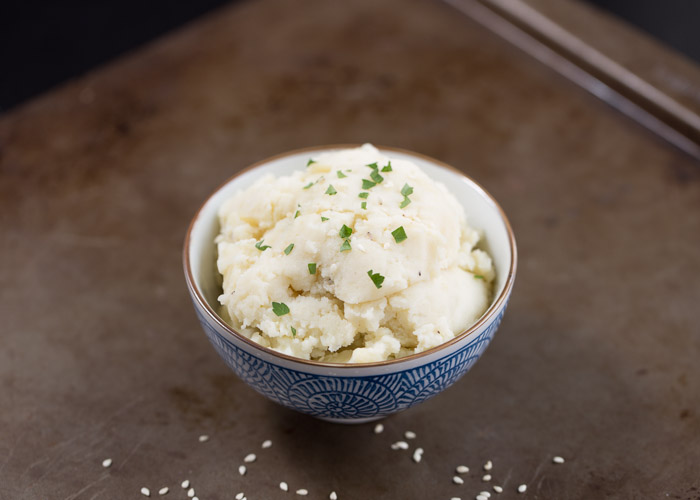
pixel 294 331
pixel 406 190
pixel 340 174
pixel 289 249
pixel 259 245
pixel 367 184
pixel 364 194
pixel 308 185
pixel 280 308
pixel 345 231
pixel 405 202
pixel 376 278
pixel 399 234
pixel 297 214
pixel 373 166
pixel 387 168
pixel 310 162
pixel 363 205
pixel 345 246
pixel 312 267
pixel 376 177
pixel 324 219
pixel 331 190
pixel 478 276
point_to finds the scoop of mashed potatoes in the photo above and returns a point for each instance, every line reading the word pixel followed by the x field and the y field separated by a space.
pixel 356 257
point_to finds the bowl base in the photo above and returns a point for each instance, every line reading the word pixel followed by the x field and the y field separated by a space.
pixel 351 421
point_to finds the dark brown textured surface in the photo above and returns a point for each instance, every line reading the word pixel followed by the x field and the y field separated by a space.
pixel 101 355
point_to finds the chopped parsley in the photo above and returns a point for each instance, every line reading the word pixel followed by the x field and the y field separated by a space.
pixel 363 194
pixel 312 267
pixel 294 331
pixel 363 205
pixel 406 191
pixel 345 246
pixel 373 166
pixel 405 202
pixel 297 214
pixel 259 245
pixel 324 219
pixel 387 168
pixel 376 177
pixel 376 278
pixel 289 249
pixel 399 234
pixel 345 231
pixel 340 174
pixel 280 308
pixel 331 190
pixel 308 185
pixel 478 276
pixel 310 162
pixel 367 184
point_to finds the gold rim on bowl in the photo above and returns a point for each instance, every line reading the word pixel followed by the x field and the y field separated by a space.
pixel 490 312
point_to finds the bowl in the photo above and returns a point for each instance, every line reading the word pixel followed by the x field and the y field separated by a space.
pixel 348 393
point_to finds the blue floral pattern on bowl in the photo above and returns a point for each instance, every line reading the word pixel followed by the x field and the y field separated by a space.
pixel 348 398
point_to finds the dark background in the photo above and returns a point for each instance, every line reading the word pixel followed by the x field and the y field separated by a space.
pixel 44 43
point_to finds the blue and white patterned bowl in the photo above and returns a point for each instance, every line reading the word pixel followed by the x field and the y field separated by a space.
pixel 350 393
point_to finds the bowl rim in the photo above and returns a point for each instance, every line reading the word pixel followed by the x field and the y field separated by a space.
pixel 492 310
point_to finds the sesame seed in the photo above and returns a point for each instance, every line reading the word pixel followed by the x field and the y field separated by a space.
pixel 497 488
pixel 333 496
pixel 410 435
pixel 302 492
pixel 185 484
pixel 146 492
pixel 522 488
pixel 457 480
pixel 107 462
pixel 242 469
pixel 558 460
pixel 379 428
pixel 195 498
pixel 163 491
pixel 399 445
pixel 250 458
pixel 481 497
pixel 266 444
pixel 284 486
pixel 462 469
pixel 488 465
pixel 190 493
pixel 486 478
pixel 418 455
pixel 240 496
pixel 485 494
pixel 203 438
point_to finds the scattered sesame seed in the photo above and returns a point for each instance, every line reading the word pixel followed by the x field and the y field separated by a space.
pixel 399 445
pixel 522 488
pixel 497 488
pixel 457 480
pixel 302 492
pixel 266 444
pixel 462 469
pixel 410 435
pixel 203 438
pixel 185 484
pixel 284 486
pixel 485 494
pixel 163 491
pixel 190 493
pixel 486 478
pixel 242 469
pixel 107 462
pixel 480 497
pixel 558 460
pixel 333 496
pixel 488 465
pixel 418 455
pixel 146 492
pixel 240 496
pixel 379 428
pixel 250 458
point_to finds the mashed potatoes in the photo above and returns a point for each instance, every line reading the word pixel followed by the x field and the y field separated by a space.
pixel 357 257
